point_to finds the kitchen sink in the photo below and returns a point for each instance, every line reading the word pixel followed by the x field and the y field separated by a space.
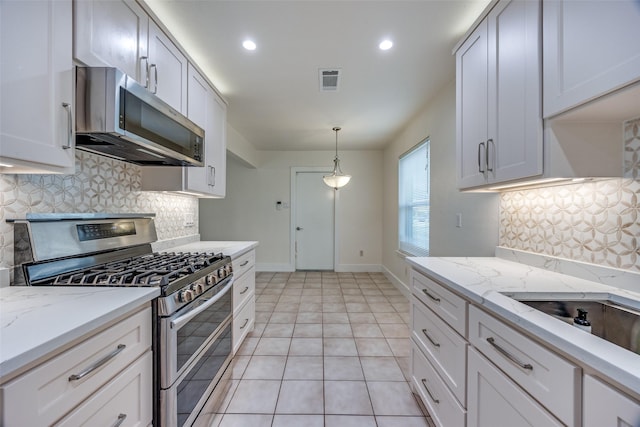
pixel 615 323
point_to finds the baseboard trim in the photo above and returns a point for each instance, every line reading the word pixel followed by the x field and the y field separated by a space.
pixel 358 268
pixel 285 268
pixel 399 284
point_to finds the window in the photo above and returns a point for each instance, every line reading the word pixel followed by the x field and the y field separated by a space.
pixel 413 199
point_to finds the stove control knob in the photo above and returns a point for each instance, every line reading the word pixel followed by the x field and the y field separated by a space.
pixel 212 278
pixel 222 273
pixel 186 295
pixel 198 288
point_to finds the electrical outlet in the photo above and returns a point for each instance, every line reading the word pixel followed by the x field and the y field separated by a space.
pixel 189 220
pixel 361 252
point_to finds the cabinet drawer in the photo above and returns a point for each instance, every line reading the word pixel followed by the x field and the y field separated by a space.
pixel 444 348
pixel 126 397
pixel 243 322
pixel 605 406
pixel 243 263
pixel 441 403
pixel 549 378
pixel 495 400
pixel 243 288
pixel 450 307
pixel 47 392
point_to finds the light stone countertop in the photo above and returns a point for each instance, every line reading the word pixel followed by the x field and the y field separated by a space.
pixel 37 321
pixel 490 283
pixel 234 249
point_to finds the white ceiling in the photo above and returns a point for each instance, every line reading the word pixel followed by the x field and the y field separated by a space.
pixel 273 92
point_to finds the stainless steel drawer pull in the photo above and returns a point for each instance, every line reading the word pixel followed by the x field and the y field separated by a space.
pixel 67 107
pixel 508 355
pixel 244 324
pixel 424 383
pixel 120 420
pixel 98 364
pixel 244 290
pixel 424 331
pixel 244 263
pixel 426 292
pixel 480 145
pixel 487 156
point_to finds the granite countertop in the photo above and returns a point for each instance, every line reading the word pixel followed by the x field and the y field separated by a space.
pixel 492 282
pixel 37 321
pixel 231 248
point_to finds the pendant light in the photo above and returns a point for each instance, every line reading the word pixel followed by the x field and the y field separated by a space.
pixel 337 179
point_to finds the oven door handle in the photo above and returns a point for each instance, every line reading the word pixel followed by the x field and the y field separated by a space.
pixel 180 321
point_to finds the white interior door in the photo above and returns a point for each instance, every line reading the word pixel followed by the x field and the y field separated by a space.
pixel 314 222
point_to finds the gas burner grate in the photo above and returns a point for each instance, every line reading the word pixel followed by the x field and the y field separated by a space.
pixel 143 271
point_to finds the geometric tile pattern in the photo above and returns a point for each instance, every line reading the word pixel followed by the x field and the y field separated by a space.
pixel 632 149
pixel 328 350
pixel 100 184
pixel 595 222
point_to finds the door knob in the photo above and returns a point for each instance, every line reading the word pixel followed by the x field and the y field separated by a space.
pixel 298 228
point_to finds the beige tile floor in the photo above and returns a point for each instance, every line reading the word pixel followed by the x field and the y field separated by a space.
pixel 328 349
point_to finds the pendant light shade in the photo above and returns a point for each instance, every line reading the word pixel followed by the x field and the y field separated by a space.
pixel 337 179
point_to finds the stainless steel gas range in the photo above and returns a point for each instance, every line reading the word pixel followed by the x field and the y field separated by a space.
pixel 192 316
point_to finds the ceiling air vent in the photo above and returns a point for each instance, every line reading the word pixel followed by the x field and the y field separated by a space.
pixel 329 79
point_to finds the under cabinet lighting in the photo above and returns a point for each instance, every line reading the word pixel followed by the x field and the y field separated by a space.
pixel 5 165
pixel 385 44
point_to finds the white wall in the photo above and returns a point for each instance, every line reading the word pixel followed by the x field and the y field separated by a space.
pixel 249 210
pixel 480 212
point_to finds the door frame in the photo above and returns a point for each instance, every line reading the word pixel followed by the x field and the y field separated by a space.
pixel 292 218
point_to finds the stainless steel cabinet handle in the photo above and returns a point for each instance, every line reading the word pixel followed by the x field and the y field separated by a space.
pixel 435 299
pixel 424 383
pixel 480 157
pixel 244 290
pixel 98 364
pixel 508 355
pixel 67 107
pixel 155 77
pixel 244 324
pixel 424 331
pixel 489 143
pixel 146 70
pixel 299 228
pixel 120 420
pixel 244 263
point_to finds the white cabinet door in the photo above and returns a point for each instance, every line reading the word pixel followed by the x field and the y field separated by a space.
pixel 112 33
pixel 605 406
pixel 217 150
pixel 590 48
pixel 515 122
pixel 494 400
pixel 199 110
pixel 36 74
pixel 498 117
pixel 167 69
pixel 471 108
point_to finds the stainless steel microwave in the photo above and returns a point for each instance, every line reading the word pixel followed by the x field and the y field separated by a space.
pixel 119 118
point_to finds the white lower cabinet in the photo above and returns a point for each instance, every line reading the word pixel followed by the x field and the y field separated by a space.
pixel 442 405
pixel 549 378
pixel 496 401
pixel 111 369
pixel 244 296
pixel 125 399
pixel 605 406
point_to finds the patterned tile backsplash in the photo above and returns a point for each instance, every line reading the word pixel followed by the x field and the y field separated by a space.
pixel 100 184
pixel 595 222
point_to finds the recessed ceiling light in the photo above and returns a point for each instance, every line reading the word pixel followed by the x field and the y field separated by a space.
pixel 249 45
pixel 385 44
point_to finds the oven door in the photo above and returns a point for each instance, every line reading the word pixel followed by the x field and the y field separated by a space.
pixel 181 404
pixel 185 334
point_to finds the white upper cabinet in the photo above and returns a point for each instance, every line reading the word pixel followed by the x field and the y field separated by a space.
pixel 208 111
pixel 112 34
pixel 167 69
pixel 498 97
pixel 590 48
pixel 36 74
pixel 119 33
